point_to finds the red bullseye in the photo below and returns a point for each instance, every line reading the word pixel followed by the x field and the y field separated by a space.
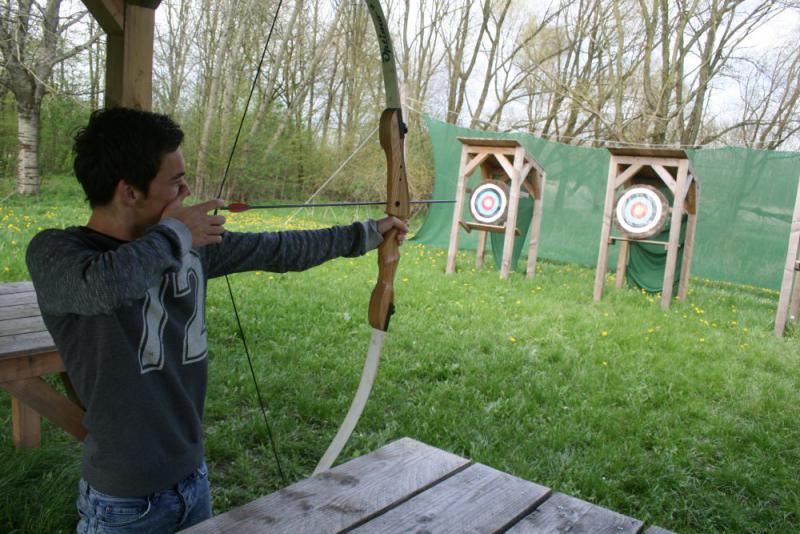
pixel 487 203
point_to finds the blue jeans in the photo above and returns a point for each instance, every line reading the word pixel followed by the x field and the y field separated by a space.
pixel 184 505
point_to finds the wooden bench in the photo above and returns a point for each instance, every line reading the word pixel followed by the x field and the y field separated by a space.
pixel 27 353
pixel 409 486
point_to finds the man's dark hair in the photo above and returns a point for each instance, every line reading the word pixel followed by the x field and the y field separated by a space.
pixel 122 144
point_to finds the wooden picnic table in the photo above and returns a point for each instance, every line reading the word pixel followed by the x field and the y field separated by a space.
pixel 408 486
pixel 27 353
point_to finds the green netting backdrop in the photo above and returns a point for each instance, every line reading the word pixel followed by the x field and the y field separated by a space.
pixel 745 210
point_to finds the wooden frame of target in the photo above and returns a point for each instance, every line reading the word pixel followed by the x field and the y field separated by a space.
pixel 508 172
pixel 638 172
pixel 789 300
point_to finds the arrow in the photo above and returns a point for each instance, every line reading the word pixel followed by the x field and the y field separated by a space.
pixel 238 207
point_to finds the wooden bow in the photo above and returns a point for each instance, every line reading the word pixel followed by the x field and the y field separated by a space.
pixel 381 304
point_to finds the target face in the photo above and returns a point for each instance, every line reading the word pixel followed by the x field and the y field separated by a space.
pixel 489 202
pixel 641 211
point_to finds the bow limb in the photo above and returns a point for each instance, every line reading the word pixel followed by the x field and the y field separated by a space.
pixel 381 304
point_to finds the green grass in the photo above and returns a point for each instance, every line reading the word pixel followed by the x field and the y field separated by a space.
pixel 686 418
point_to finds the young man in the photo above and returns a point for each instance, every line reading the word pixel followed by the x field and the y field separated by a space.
pixel 124 299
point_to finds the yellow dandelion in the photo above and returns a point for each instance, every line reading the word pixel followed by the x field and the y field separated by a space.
pixel 604 333
pixel 512 339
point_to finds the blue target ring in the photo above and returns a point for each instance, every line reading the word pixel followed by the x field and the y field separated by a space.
pixel 489 202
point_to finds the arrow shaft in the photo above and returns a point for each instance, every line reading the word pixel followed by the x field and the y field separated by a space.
pixel 245 207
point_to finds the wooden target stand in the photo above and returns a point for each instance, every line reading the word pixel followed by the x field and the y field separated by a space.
pixel 508 161
pixel 789 301
pixel 635 166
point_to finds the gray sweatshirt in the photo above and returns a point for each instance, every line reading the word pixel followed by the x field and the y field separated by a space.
pixel 128 319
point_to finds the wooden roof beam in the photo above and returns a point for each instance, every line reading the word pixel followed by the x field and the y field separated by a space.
pixel 110 14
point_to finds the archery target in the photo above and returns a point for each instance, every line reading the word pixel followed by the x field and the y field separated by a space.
pixel 488 203
pixel 641 211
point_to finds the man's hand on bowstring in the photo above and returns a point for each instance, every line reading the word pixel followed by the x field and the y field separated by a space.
pixel 206 229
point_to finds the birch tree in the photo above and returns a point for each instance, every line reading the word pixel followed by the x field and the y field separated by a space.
pixel 33 40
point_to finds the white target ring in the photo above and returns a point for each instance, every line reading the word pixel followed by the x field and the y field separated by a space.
pixel 488 203
pixel 641 211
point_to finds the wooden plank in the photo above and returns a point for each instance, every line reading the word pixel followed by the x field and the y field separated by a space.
pixel 22 325
pixel 627 174
pixel 15 287
pixel 681 190
pixel 535 230
pixel 649 152
pixel 535 164
pixel 613 239
pixel 513 210
pixel 452 250
pixel 129 60
pixel 509 168
pixel 788 268
pixel 473 163
pixel 481 252
pixel 478 499
pixel 666 177
pixel 37 394
pixel 470 226
pixel 26 425
pixel 688 253
pixel 344 496
pixel 25 344
pixel 622 263
pixel 605 231
pixel 109 14
pixel 152 4
pixel 15 299
pixel 18 311
pixel 15 368
pixel 794 302
pixel 562 513
pixel 483 142
pixel 663 162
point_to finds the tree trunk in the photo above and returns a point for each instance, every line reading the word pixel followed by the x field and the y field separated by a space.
pixel 28 179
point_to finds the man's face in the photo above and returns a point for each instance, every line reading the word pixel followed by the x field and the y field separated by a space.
pixel 169 182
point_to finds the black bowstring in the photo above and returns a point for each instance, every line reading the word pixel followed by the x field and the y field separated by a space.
pixel 227 280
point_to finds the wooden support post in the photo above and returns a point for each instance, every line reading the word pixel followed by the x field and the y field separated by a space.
pixel 675 233
pixel 26 425
pixel 129 60
pixel 452 251
pixel 622 263
pixel 602 256
pixel 513 210
pixel 789 272
pixel 691 232
pixel 481 248
pixel 536 224
pixel 794 302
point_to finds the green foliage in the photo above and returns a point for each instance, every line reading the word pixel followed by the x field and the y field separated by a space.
pixel 684 418
pixel 61 119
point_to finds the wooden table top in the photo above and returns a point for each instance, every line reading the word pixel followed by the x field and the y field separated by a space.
pixel 22 331
pixel 408 486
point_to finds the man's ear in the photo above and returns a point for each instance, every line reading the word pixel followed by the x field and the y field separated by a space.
pixel 126 193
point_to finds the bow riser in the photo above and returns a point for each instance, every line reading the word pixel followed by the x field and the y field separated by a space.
pixel 391 133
